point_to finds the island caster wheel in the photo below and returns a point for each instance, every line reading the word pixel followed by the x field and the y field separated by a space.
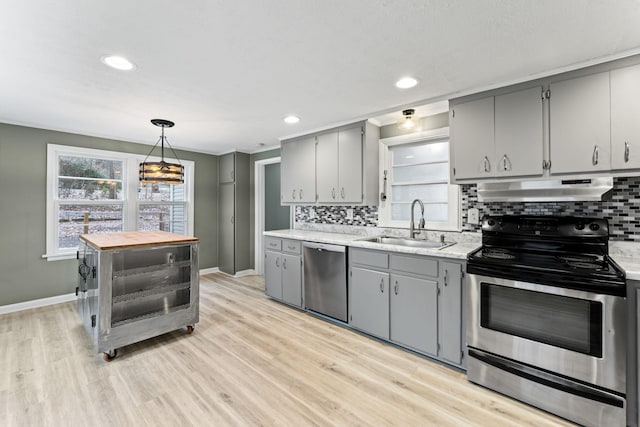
pixel 190 329
pixel 109 356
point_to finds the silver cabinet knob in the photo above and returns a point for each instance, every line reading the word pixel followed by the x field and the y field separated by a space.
pixel 594 156
pixel 626 152
pixel 486 164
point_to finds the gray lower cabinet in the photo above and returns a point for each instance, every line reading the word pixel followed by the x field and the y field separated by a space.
pixel 233 214
pixel 414 313
pixel 414 301
pixel 283 270
pixel 450 312
pixel 369 301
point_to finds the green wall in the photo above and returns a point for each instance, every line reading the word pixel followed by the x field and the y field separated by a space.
pixel 24 274
pixel 252 197
pixel 276 216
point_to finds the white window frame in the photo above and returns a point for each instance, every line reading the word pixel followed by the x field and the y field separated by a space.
pixel 384 208
pixel 129 201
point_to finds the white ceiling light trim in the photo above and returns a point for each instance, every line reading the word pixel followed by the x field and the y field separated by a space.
pixel 406 83
pixel 291 120
pixel 118 62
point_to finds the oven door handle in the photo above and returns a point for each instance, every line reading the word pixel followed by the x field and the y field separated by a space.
pixel 545 289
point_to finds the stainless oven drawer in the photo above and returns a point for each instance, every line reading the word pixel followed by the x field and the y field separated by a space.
pixel 577 402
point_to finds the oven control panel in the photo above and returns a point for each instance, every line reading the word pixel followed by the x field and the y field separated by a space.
pixel 560 226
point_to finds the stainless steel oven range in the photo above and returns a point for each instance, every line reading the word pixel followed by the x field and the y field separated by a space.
pixel 546 317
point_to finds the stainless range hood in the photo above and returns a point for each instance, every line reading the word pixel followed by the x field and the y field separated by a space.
pixel 566 190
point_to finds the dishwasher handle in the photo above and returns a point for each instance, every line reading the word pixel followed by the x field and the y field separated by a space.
pixel 324 247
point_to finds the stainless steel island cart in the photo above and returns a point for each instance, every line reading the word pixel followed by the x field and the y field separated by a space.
pixel 136 285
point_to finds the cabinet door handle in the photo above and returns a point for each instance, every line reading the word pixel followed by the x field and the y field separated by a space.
pixel 486 164
pixel 594 157
pixel 505 162
pixel 233 220
pixel 333 192
pixel 395 288
pixel 232 175
pixel 382 285
pixel 293 194
pixel 278 262
pixel 300 194
pixel 342 192
pixel 284 263
pixel 626 152
pixel 446 277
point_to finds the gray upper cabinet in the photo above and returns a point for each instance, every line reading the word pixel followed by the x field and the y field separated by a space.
pixel 579 125
pixel 233 214
pixel 339 166
pixel 498 136
pixel 519 133
pixel 298 171
pixel 350 157
pixel 625 126
pixel 339 173
pixel 327 173
pixel 472 139
pixel 227 168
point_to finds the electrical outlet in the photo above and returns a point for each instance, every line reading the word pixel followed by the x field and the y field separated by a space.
pixel 312 213
pixel 473 216
pixel 350 213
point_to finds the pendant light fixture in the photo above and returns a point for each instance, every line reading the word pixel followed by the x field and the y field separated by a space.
pixel 407 121
pixel 161 172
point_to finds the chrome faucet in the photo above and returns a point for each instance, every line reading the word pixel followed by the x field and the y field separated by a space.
pixel 412 230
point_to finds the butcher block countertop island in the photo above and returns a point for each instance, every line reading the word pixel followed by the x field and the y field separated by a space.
pixel 130 239
pixel 136 285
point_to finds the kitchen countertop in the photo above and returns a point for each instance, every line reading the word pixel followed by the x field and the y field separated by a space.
pixel 129 239
pixel 457 251
pixel 625 254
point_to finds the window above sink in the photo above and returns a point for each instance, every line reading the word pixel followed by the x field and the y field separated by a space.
pixel 416 165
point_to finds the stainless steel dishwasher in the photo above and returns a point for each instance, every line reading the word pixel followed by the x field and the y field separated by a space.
pixel 325 279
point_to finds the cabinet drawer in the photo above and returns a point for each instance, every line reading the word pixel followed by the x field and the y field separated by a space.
pixel 273 243
pixel 291 246
pixel 424 266
pixel 372 258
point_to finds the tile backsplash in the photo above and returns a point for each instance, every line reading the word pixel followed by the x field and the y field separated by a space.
pixel 622 210
pixel 362 215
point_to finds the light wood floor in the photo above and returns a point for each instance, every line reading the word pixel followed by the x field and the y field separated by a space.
pixel 251 361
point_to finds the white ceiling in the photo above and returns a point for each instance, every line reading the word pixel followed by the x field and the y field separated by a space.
pixel 227 72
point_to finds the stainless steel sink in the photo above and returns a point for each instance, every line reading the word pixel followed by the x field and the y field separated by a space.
pixel 415 243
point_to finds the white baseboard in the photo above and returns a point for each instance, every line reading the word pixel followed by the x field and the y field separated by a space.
pixel 249 272
pixel 27 305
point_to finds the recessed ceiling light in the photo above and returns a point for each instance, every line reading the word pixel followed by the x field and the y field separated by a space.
pixel 118 62
pixel 406 83
pixel 291 119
